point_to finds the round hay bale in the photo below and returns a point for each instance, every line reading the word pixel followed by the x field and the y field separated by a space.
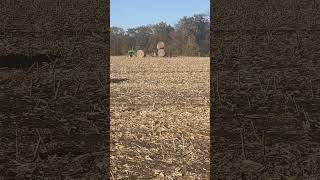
pixel 160 45
pixel 140 54
pixel 161 53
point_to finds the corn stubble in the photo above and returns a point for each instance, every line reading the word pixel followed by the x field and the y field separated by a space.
pixel 266 89
pixel 160 118
pixel 53 115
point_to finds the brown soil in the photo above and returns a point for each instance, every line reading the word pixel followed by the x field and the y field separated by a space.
pixel 265 86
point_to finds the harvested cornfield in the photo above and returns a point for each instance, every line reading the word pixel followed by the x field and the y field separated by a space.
pixel 266 89
pixel 161 53
pixel 53 89
pixel 160 118
pixel 140 54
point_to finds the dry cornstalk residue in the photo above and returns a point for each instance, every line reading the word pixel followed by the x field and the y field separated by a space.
pixel 160 118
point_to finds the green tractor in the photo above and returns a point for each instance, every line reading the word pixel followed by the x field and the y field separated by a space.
pixel 131 53
pixel 134 51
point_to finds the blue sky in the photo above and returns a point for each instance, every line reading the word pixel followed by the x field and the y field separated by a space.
pixel 133 13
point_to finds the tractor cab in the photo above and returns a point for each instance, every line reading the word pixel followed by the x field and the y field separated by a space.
pixel 131 53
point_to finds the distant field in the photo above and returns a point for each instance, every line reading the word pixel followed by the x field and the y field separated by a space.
pixel 160 118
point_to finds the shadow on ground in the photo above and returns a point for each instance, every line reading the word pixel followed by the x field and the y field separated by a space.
pixel 120 80
pixel 24 61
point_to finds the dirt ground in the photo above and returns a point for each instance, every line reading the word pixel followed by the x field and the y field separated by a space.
pixel 53 117
pixel 160 118
pixel 265 90
pixel 53 123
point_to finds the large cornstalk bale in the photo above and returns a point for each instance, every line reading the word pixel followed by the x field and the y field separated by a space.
pixel 140 54
pixel 160 45
pixel 161 53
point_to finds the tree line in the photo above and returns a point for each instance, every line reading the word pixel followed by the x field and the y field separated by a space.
pixel 189 37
